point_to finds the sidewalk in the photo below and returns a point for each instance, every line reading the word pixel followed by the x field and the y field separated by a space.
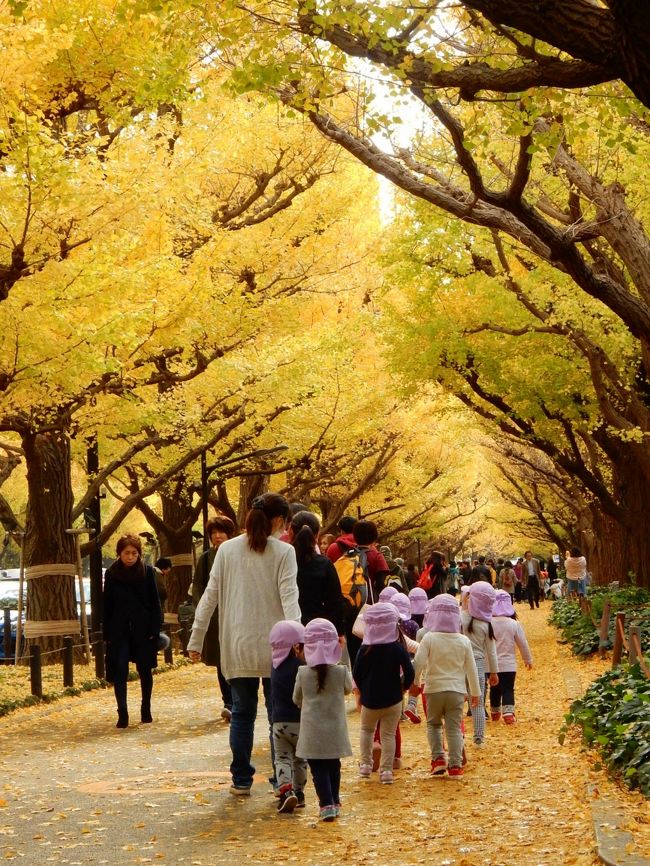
pixel 78 791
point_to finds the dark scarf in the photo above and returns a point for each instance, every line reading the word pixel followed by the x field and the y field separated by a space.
pixel 126 574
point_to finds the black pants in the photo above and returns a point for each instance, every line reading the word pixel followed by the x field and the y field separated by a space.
pixel 503 694
pixel 519 592
pixel 226 691
pixel 533 592
pixel 121 661
pixel 326 773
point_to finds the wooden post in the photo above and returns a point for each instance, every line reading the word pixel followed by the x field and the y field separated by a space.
pixel 604 628
pixel 68 662
pixel 100 667
pixel 633 632
pixel 21 583
pixel 617 651
pixel 82 595
pixel 35 672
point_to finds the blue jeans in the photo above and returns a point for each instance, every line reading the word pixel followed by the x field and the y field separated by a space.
pixel 242 726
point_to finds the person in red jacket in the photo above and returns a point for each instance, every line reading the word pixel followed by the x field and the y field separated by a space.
pixel 345 541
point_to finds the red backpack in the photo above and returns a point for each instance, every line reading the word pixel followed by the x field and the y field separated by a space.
pixel 425 581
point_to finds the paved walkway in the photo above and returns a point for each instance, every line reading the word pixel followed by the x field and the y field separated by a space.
pixel 78 791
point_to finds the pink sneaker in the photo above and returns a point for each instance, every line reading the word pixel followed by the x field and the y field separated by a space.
pixel 509 718
pixel 455 772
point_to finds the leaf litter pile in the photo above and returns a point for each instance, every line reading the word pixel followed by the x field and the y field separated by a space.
pixel 78 791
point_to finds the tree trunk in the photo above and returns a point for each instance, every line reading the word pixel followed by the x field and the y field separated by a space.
pixel 620 548
pixel 178 515
pixel 49 514
pixel 250 486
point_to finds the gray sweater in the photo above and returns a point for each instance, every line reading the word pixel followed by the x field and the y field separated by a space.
pixel 323 720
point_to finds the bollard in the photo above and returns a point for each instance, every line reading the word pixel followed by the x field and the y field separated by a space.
pixel 35 672
pixel 619 633
pixel 8 651
pixel 633 655
pixel 99 649
pixel 169 655
pixel 603 633
pixel 68 662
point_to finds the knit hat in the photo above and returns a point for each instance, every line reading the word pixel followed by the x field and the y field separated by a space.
pixel 443 614
pixel 503 604
pixel 481 600
pixel 388 593
pixel 380 623
pixel 284 635
pixel 322 645
pixel 418 599
pixel 403 604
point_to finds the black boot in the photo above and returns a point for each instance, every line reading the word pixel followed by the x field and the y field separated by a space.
pixel 145 713
pixel 122 718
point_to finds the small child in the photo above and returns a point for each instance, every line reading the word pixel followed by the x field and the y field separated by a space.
pixel 286 641
pixel 419 601
pixel 446 659
pixel 321 686
pixel 507 633
pixel 477 626
pixel 379 667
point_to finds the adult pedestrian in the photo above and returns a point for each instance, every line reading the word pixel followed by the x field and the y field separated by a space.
pixel 437 574
pixel 132 623
pixel 533 577
pixel 576 572
pixel 319 588
pixel 218 530
pixel 253 584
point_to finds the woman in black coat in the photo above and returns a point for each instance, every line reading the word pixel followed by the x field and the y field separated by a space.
pixel 132 623
pixel 319 588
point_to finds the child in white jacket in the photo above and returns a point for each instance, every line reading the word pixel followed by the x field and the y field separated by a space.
pixel 445 658
pixel 508 634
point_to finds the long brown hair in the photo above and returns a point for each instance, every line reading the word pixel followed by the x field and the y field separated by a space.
pixel 258 520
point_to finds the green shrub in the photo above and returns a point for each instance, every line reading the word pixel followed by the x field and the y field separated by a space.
pixel 614 717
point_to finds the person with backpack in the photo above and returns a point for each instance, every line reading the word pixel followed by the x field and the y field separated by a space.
pixel 433 579
pixel 345 541
pixel 361 572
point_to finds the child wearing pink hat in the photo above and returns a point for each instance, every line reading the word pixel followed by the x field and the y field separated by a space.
pixel 477 626
pixel 508 634
pixel 321 686
pixel 446 661
pixel 382 671
pixel 286 639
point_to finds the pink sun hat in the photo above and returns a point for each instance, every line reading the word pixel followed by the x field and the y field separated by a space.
pixel 481 600
pixel 419 600
pixel 443 614
pixel 403 604
pixel 380 623
pixel 283 636
pixel 322 645
pixel 503 604
pixel 387 593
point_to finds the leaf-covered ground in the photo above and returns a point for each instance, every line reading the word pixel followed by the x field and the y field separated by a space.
pixel 77 791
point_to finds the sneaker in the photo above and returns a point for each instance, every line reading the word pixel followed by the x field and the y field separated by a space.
pixel 439 766
pixel 328 813
pixel 288 800
pixel 300 796
pixel 386 777
pixel 412 716
pixel 226 715
pixel 240 791
pixel 479 743
pixel 455 772
pixel 495 715
pixel 509 718
pixel 365 771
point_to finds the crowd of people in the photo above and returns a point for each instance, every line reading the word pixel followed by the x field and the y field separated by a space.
pixel 272 609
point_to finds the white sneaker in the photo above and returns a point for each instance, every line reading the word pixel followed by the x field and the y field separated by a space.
pixel 365 771
pixel 386 777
